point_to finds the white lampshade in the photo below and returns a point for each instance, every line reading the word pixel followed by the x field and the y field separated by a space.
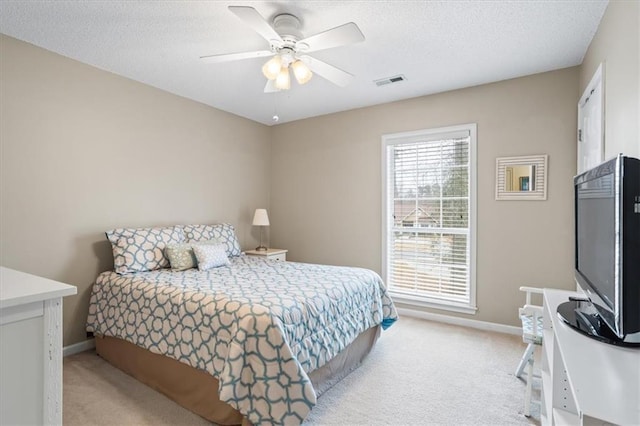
pixel 260 218
pixel 301 71
pixel 283 81
pixel 272 67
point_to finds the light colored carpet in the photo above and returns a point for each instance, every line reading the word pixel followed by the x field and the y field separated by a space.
pixel 419 373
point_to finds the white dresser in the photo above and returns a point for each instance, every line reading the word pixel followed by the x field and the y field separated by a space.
pixel 31 348
pixel 584 381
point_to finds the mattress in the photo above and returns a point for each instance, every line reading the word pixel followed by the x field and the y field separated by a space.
pixel 258 326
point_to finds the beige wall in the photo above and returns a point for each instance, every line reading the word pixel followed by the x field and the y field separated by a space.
pixel 326 183
pixel 84 151
pixel 617 44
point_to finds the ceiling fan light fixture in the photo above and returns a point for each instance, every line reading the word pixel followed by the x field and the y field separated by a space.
pixel 301 71
pixel 272 67
pixel 283 81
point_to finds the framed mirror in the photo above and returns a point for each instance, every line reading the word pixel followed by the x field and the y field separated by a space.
pixel 521 178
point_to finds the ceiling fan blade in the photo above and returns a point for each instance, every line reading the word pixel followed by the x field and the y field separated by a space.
pixel 270 87
pixel 339 36
pixel 226 57
pixel 335 75
pixel 251 17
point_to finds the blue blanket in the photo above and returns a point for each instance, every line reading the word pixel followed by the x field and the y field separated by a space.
pixel 258 326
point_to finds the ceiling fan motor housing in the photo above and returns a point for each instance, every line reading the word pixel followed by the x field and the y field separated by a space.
pixel 288 26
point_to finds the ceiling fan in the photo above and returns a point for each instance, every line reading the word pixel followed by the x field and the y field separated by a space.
pixel 289 50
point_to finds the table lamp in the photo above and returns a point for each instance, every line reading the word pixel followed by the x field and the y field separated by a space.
pixel 261 219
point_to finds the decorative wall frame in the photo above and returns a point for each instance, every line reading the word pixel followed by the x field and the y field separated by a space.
pixel 521 178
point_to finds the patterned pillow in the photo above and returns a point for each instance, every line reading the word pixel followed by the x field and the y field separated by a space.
pixel 142 249
pixel 210 256
pixel 223 232
pixel 181 255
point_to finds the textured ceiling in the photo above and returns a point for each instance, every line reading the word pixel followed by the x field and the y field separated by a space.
pixel 437 46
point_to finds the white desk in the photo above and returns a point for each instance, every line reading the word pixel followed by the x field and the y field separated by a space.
pixel 31 348
pixel 585 381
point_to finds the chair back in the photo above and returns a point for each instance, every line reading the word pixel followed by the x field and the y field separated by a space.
pixel 531 317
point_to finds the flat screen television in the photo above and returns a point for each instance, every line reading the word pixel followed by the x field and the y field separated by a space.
pixel 607 252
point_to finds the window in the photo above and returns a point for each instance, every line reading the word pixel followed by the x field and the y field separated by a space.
pixel 429 217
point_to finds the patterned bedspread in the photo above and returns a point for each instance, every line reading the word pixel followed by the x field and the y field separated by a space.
pixel 258 326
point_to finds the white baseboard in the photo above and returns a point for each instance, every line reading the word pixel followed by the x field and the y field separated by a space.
pixel 465 322
pixel 79 347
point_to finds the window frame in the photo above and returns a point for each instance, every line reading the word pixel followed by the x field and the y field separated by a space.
pixel 426 135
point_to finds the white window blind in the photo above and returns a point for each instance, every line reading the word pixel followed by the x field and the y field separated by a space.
pixel 430 215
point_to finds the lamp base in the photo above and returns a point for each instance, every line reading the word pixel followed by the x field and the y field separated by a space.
pixel 261 248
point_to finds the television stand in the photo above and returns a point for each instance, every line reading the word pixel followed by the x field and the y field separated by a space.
pixel 581 315
pixel 585 381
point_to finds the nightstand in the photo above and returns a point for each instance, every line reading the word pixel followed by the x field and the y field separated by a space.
pixel 271 253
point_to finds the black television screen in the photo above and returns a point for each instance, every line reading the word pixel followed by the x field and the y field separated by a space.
pixel 607 257
pixel 596 235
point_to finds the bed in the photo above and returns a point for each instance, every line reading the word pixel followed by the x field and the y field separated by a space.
pixel 249 341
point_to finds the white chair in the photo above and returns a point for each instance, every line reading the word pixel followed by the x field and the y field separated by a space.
pixel 531 317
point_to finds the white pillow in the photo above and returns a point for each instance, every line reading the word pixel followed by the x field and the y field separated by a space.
pixel 210 255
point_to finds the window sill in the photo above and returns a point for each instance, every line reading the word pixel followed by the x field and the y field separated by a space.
pixel 432 303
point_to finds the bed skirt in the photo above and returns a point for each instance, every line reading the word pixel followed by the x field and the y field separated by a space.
pixel 197 390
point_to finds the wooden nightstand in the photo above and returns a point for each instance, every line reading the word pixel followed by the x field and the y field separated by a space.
pixel 271 253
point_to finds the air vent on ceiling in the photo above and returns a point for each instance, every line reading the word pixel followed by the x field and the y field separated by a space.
pixel 395 79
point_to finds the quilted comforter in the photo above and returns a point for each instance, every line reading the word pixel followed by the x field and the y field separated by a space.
pixel 258 326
